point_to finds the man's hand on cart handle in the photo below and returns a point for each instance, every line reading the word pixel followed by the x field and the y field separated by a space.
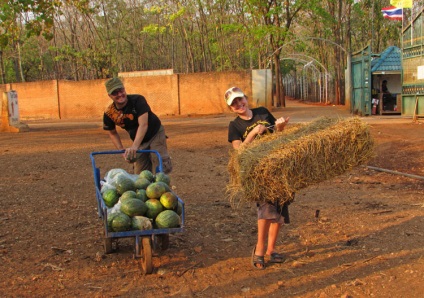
pixel 130 154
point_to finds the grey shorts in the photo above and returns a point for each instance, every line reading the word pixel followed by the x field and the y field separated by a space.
pixel 147 161
pixel 268 210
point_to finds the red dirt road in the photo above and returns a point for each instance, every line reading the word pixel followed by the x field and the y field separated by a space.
pixel 367 242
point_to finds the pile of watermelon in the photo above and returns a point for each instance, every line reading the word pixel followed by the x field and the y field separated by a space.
pixel 140 202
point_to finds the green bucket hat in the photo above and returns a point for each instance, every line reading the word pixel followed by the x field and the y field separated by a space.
pixel 113 84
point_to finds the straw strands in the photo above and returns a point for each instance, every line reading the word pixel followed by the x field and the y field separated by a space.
pixel 275 166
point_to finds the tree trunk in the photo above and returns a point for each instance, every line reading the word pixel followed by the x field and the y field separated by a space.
pixel 278 93
pixel 2 72
pixel 21 72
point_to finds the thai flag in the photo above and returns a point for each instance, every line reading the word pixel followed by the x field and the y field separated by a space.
pixel 392 13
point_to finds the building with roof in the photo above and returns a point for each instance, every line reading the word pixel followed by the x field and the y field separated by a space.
pixel 386 78
pixel 403 69
pixel 387 66
pixel 368 72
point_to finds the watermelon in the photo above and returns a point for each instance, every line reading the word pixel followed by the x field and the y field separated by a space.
pixel 141 223
pixel 141 183
pixel 179 208
pixel 124 184
pixel 154 207
pixel 110 217
pixel 141 195
pixel 110 197
pixel 162 177
pixel 129 194
pixel 155 190
pixel 167 219
pixel 147 175
pixel 167 188
pixel 169 200
pixel 121 222
pixel 133 207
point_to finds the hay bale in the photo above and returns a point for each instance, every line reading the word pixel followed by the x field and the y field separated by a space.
pixel 277 165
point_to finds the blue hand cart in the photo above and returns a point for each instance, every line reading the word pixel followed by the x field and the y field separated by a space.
pixel 146 240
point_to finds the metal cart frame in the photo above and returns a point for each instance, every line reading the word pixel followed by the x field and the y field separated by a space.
pixel 145 241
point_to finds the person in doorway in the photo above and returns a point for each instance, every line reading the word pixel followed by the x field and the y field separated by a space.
pixel 384 87
pixel 132 113
pixel 248 124
pixel 389 99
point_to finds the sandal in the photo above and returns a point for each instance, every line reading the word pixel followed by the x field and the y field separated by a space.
pixel 276 258
pixel 258 262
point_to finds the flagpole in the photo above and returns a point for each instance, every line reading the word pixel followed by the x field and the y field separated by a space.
pixel 401 32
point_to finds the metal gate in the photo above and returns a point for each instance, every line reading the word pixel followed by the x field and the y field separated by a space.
pixel 413 63
pixel 361 82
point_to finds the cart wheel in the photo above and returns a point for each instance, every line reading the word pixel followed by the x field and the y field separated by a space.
pixel 164 241
pixel 108 245
pixel 146 261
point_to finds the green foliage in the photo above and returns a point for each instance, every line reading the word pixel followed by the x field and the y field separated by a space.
pixel 154 10
pixel 174 16
pixel 153 29
pixel 90 39
pixel 38 16
pixel 287 66
pixel 232 28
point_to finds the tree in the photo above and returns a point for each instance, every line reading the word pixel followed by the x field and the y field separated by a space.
pixel 90 39
pixel 21 19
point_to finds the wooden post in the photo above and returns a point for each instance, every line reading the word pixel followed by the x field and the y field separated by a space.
pixel 415 118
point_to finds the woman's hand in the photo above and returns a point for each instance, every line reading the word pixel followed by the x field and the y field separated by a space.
pixel 259 129
pixel 280 123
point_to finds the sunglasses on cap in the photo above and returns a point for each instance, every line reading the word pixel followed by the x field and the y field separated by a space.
pixel 117 91
pixel 231 91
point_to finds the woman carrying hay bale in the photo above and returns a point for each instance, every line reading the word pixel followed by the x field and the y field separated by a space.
pixel 243 130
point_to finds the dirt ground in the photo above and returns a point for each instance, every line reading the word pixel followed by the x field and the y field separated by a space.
pixel 367 242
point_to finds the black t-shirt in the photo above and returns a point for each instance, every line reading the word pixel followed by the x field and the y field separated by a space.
pixel 127 117
pixel 384 88
pixel 238 129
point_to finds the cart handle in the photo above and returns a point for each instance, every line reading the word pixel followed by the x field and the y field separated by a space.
pixel 159 167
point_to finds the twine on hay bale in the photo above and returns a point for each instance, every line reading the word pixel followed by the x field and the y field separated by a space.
pixel 275 166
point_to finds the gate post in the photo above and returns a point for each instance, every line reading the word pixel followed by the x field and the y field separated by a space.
pixel 9 111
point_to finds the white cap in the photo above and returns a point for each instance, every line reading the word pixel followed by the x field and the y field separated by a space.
pixel 233 93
